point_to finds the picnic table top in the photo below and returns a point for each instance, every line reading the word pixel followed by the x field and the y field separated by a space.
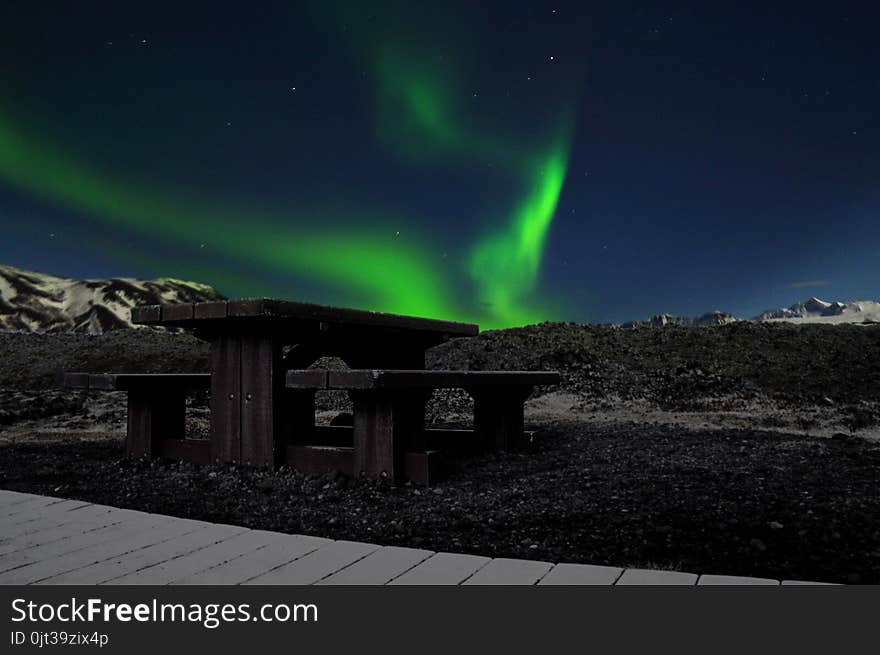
pixel 216 314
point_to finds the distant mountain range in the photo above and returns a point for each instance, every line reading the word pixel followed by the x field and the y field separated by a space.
pixel 808 311
pixel 37 302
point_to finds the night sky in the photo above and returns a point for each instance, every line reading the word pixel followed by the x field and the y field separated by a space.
pixel 504 163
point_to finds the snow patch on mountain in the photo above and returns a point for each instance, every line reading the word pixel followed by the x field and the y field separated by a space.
pixel 37 302
pixel 815 310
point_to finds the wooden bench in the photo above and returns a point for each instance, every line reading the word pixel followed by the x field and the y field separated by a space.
pixel 389 436
pixel 156 411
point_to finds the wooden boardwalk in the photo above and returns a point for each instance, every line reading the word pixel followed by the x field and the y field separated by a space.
pixel 47 540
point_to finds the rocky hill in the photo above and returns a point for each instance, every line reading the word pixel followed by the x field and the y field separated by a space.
pixel 37 302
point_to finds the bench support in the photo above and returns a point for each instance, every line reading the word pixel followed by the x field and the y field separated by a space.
pixel 498 416
pixel 384 423
pixel 154 415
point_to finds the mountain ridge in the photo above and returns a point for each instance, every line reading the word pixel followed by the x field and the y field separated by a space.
pixel 39 302
pixel 812 310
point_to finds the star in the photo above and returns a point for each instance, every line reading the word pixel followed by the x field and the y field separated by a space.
pixel 551 57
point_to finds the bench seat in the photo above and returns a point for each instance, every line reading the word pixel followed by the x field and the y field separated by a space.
pixel 128 381
pixel 156 410
pixel 389 410
pixel 402 379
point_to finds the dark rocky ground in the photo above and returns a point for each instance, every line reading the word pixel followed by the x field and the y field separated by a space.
pixel 743 449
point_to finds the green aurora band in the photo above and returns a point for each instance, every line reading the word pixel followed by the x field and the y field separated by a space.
pixel 366 267
pixel 402 278
pixel 417 116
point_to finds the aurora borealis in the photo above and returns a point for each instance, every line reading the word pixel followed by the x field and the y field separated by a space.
pixel 502 164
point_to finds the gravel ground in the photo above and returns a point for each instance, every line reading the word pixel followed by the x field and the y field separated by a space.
pixel 742 449
pixel 738 502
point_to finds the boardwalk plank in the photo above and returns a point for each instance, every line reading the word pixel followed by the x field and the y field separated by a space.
pixel 81 515
pixel 443 569
pixel 581 574
pixel 317 564
pixel 706 580
pixel 109 570
pixel 199 560
pixel 650 577
pixel 281 550
pixel 116 541
pixel 379 567
pixel 503 571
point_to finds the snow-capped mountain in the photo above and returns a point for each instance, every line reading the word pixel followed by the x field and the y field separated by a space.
pixel 660 320
pixel 808 311
pixel 37 302
pixel 819 311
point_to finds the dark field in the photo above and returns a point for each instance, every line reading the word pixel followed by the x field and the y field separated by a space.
pixel 637 461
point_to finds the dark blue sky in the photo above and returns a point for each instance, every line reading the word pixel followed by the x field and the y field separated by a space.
pixel 718 156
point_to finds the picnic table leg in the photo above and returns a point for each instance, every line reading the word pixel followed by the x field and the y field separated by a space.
pixel 247 385
pixel 262 391
pixel 154 416
pixel 498 415
pixel 383 424
pixel 225 399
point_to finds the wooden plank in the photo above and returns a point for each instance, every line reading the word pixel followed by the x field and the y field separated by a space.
pixel 282 549
pixel 14 520
pixel 146 314
pixel 806 582
pixel 437 379
pixel 268 308
pixel 125 381
pixel 379 567
pixel 316 565
pixel 581 574
pixel 247 307
pixel 38 530
pixel 110 570
pixel 177 312
pixel 168 571
pixel 28 505
pixel 262 385
pixel 443 569
pixel 321 459
pixel 211 309
pixel 61 564
pixel 382 424
pixel 503 571
pixel 651 577
pixel 314 378
pixel 708 580
pixel 225 403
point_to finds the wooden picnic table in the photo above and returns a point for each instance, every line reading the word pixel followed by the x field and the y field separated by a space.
pixel 254 342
